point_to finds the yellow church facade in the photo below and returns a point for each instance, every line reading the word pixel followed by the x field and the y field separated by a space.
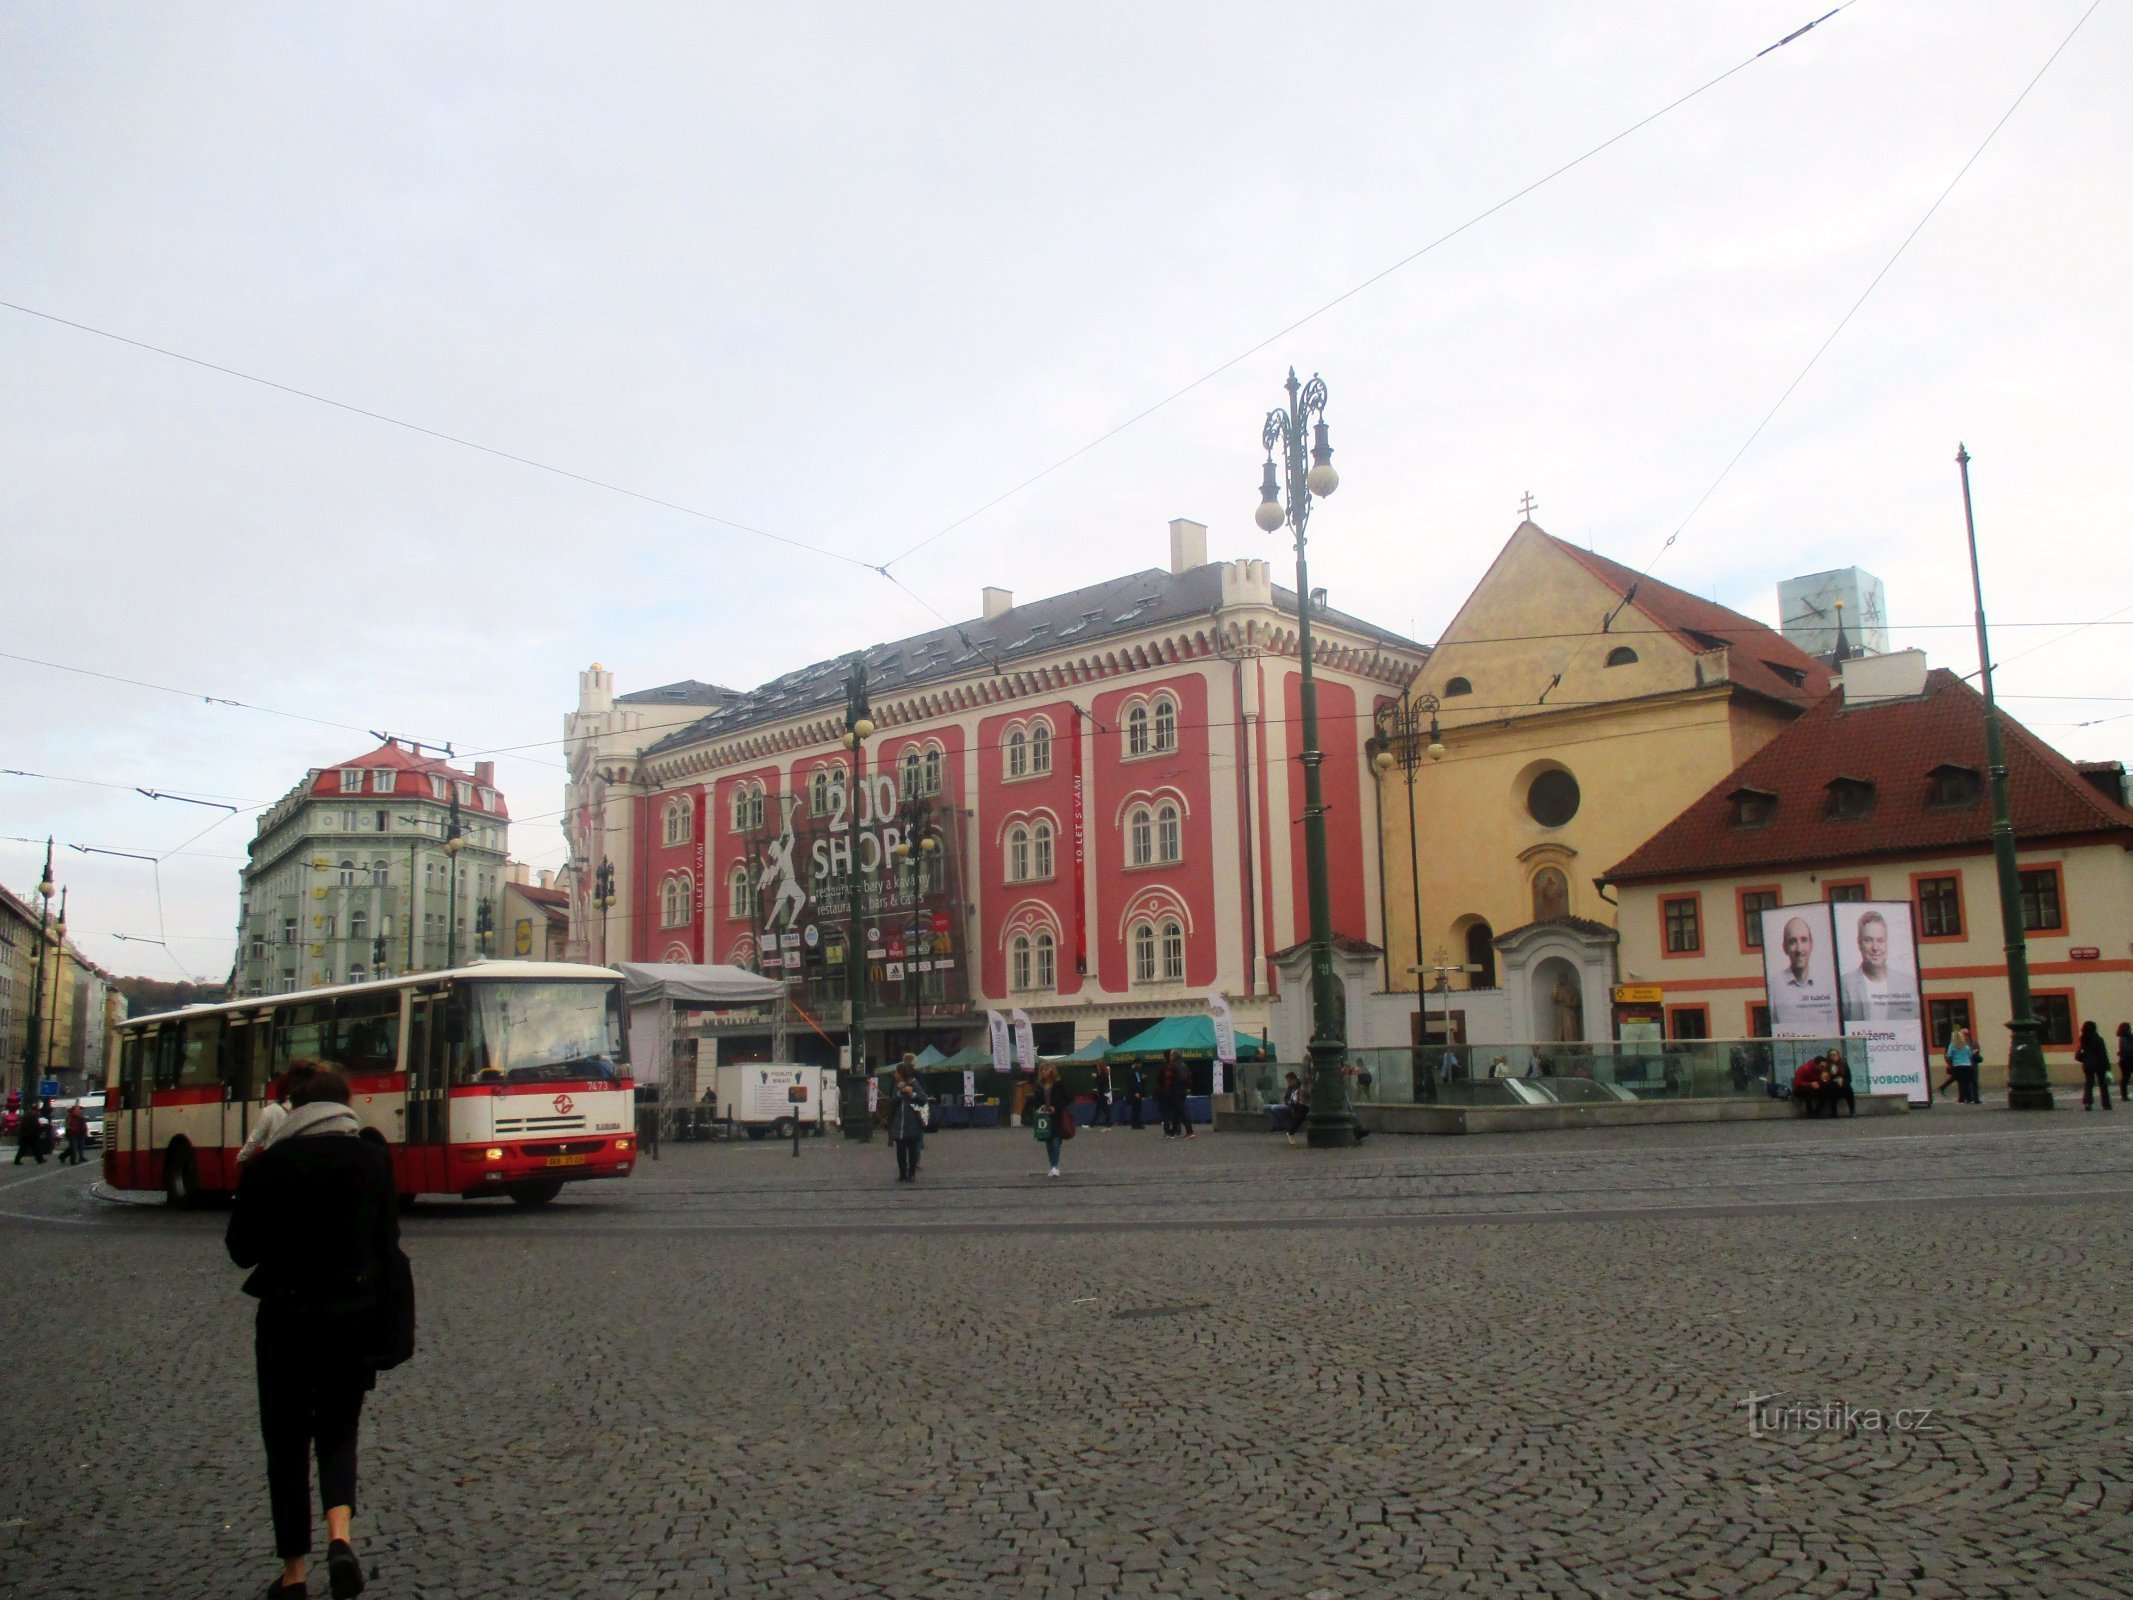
pixel 1571 710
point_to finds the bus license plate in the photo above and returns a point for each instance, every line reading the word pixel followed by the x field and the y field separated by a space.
pixel 566 1161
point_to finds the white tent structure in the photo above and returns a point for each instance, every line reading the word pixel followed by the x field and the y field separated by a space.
pixel 654 990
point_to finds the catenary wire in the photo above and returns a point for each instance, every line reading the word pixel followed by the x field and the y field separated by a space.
pixel 1886 267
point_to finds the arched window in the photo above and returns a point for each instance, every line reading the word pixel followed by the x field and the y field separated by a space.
pixel 1169 845
pixel 1047 963
pixel 932 777
pixel 1017 854
pixel 908 772
pixel 1166 724
pixel 1140 836
pixel 358 973
pixel 677 822
pixel 755 805
pixel 378 873
pixel 1143 940
pixel 1137 730
pixel 1018 754
pixel 1481 956
pixel 1018 962
pixel 1457 686
pixel 740 892
pixel 359 924
pixel 1173 952
pixel 348 874
pixel 1041 850
pixel 674 901
pixel 818 793
pixel 1621 656
pixel 740 808
pixel 1040 749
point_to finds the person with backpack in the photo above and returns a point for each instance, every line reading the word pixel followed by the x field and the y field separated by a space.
pixel 317 1219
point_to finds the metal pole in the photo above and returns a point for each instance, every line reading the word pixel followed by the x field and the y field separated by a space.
pixel 44 922
pixel 2028 1082
pixel 59 973
pixel 1332 1121
pixel 852 1088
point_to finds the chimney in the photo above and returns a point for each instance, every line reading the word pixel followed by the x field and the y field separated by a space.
pixel 517 872
pixel 547 878
pixel 1188 544
pixel 998 601
pixel 485 774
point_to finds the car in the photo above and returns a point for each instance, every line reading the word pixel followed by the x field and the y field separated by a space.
pixel 92 1110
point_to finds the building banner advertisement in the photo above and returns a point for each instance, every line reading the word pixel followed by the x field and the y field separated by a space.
pixel 1800 971
pixel 1877 985
pixel 996 1026
pixel 1225 1031
pixel 1025 1040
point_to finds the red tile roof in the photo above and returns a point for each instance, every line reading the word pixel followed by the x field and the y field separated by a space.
pixel 541 897
pixel 327 782
pixel 1893 745
pixel 1759 658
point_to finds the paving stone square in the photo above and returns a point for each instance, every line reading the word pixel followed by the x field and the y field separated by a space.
pixel 1515 1365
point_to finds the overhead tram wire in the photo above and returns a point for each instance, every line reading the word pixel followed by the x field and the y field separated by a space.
pixel 1886 267
pixel 1375 278
pixel 882 568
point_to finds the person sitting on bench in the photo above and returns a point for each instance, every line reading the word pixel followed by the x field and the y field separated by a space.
pixel 1299 1106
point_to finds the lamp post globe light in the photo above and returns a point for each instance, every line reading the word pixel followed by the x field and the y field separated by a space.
pixel 1401 743
pixel 453 844
pixel 1332 1122
pixel 852 1114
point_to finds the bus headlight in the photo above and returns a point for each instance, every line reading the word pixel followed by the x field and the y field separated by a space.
pixel 494 1154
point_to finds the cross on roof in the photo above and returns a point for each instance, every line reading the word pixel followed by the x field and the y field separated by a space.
pixel 1527 506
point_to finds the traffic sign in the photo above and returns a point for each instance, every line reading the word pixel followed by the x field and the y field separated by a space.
pixel 48 1088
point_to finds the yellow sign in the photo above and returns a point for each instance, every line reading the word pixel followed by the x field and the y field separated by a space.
pixel 1638 994
pixel 522 937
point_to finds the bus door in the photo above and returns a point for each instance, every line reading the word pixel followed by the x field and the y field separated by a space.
pixel 429 1091
pixel 245 1041
pixel 126 1123
pixel 185 1101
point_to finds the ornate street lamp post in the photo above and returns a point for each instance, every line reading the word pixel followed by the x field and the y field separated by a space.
pixel 2029 1086
pixel 1332 1121
pixel 29 1042
pixel 1401 742
pixel 453 844
pixel 852 1086
pixel 917 858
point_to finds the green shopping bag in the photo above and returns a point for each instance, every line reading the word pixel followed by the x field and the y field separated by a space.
pixel 1041 1124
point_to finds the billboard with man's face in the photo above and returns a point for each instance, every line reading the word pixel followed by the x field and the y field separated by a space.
pixel 1878 994
pixel 1800 971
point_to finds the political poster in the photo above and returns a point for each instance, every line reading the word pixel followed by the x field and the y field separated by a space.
pixel 1800 971
pixel 996 1027
pixel 1877 986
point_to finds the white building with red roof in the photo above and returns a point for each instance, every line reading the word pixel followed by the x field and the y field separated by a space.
pixel 347 876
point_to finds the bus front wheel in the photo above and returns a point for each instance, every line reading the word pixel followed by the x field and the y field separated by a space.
pixel 181 1178
pixel 536 1194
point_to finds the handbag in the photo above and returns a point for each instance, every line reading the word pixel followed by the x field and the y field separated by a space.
pixel 1066 1124
pixel 1041 1123
pixel 924 1108
pixel 396 1311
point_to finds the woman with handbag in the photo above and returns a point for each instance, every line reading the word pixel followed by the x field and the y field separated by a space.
pixel 907 1118
pixel 1054 1116
pixel 317 1219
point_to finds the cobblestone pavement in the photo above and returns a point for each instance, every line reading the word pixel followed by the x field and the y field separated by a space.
pixel 1512 1365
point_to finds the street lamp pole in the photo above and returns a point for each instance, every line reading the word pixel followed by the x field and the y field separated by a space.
pixel 453 844
pixel 852 1087
pixel 1332 1121
pixel 914 857
pixel 29 1042
pixel 2029 1085
pixel 59 973
pixel 1400 741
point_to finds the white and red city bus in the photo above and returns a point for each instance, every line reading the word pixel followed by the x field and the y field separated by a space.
pixel 504 1077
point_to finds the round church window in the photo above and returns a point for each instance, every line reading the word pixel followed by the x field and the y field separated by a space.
pixel 1553 797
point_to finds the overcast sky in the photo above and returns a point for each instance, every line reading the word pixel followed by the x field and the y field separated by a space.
pixel 847 273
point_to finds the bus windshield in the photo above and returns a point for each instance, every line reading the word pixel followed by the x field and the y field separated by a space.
pixel 540 1032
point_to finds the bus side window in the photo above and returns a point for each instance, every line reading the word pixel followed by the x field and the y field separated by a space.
pixel 169 1044
pixel 130 1052
pixel 366 1033
pixel 200 1061
pixel 302 1031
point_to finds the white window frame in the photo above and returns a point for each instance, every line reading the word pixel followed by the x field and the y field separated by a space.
pixel 740 893
pixel 1041 850
pixel 1172 939
pixel 1137 729
pixel 1140 942
pixel 1140 837
pixel 1169 832
pixel 351 780
pixel 676 819
pixel 1163 737
pixel 674 900
pixel 1040 749
pixel 1018 854
pixel 1019 962
pixel 1017 753
pixel 1047 960
pixel 384 781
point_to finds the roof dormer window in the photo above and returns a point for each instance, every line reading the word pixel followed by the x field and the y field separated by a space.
pixel 1949 785
pixel 1849 798
pixel 1752 808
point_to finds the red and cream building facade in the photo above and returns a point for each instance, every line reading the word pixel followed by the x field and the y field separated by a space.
pixel 1109 779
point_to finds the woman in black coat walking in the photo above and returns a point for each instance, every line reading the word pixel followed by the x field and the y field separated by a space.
pixel 317 1219
pixel 907 1119
pixel 2095 1062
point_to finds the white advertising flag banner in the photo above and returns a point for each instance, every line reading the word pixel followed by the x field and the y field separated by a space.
pixel 970 1088
pixel 1225 1034
pixel 1800 971
pixel 996 1026
pixel 1877 987
pixel 1025 1041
